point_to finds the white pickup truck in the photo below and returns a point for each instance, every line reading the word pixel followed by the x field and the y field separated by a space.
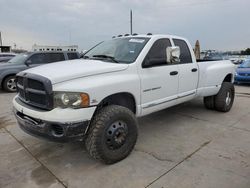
pixel 97 98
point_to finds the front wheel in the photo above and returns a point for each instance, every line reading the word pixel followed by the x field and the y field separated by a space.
pixel 223 101
pixel 9 84
pixel 112 134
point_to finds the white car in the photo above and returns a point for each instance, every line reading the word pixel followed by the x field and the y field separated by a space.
pixel 97 99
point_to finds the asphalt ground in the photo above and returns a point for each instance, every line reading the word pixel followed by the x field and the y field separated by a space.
pixel 186 146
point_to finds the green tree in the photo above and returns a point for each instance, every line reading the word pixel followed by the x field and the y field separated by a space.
pixel 246 52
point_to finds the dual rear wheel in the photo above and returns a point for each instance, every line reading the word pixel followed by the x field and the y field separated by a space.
pixel 223 101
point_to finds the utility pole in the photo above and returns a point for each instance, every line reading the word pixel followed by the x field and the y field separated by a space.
pixel 1 42
pixel 131 22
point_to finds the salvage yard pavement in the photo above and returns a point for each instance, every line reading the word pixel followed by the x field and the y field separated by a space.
pixel 186 146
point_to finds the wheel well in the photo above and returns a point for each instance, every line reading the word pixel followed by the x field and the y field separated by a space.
pixel 122 99
pixel 5 78
pixel 228 78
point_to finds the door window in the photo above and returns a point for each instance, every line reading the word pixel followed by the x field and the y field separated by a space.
pixel 185 56
pixel 72 56
pixel 54 57
pixel 157 53
pixel 37 59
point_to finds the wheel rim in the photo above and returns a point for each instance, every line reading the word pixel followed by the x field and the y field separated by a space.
pixel 116 135
pixel 11 84
pixel 228 98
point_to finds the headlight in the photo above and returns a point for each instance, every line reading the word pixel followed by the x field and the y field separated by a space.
pixel 71 100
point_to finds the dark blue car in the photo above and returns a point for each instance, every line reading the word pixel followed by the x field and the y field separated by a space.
pixel 243 72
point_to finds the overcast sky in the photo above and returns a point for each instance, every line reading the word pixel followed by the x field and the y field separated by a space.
pixel 218 24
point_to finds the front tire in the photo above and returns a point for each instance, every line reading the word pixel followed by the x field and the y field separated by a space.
pixel 9 84
pixel 223 101
pixel 112 134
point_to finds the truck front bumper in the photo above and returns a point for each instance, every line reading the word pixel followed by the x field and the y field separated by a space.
pixel 60 125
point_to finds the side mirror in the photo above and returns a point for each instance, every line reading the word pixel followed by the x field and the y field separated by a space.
pixel 173 54
pixel 28 62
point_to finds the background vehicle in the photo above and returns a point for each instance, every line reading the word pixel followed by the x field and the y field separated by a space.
pixel 237 61
pixel 27 60
pixel 98 98
pixel 4 57
pixel 214 56
pixel 242 74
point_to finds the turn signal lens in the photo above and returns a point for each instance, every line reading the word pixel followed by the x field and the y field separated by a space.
pixel 85 100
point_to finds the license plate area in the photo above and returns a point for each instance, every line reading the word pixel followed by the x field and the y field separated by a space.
pixel 31 123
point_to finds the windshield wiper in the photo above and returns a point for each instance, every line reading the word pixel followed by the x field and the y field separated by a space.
pixel 106 57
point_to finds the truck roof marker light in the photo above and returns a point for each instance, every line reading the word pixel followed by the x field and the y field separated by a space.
pixel 113 37
pixel 126 35
pixel 119 36
pixel 149 34
pixel 134 34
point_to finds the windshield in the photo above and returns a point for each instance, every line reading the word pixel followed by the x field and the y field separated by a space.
pixel 245 64
pixel 19 59
pixel 119 50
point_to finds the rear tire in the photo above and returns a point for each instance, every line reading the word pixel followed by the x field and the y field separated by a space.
pixel 9 84
pixel 112 134
pixel 223 101
pixel 209 102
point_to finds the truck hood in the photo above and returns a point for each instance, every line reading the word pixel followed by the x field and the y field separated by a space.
pixel 73 69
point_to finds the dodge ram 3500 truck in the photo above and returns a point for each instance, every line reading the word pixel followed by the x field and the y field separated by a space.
pixel 97 98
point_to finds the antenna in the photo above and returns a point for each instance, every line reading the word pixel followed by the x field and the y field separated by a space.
pixel 131 22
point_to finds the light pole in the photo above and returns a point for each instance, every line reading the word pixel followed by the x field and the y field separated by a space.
pixel 1 42
pixel 131 22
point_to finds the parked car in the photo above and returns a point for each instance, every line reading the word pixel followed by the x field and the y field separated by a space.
pixel 214 56
pixel 27 60
pixel 242 74
pixel 237 61
pixel 4 57
pixel 97 99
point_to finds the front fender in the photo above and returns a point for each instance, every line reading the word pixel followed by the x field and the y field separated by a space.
pixel 99 87
pixel 6 73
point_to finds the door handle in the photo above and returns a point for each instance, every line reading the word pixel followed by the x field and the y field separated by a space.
pixel 173 73
pixel 194 69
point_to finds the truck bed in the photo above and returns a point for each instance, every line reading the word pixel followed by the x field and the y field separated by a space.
pixel 211 73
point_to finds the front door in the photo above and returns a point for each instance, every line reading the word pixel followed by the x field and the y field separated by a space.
pixel 159 82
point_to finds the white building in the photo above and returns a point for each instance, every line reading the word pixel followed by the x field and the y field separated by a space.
pixel 71 48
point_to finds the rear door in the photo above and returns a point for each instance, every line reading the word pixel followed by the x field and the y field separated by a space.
pixel 159 82
pixel 188 72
